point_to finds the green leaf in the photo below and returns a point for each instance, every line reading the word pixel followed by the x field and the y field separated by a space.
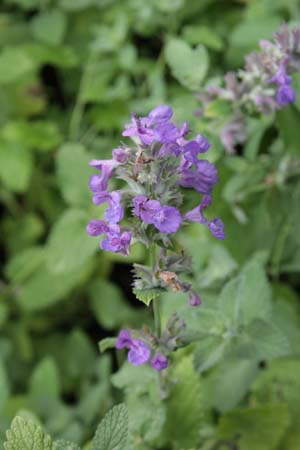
pixel 15 64
pixel 108 304
pixel 112 432
pixel 259 428
pixel 69 246
pixel 26 435
pixel 184 407
pixel 64 445
pixel 4 387
pixel 288 121
pixel 24 263
pixel 73 174
pixel 147 295
pixel 49 27
pixel 195 34
pixel 189 66
pixel 44 387
pixel 16 165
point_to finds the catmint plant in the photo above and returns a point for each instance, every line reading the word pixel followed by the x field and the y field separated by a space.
pixel 263 86
pixel 156 168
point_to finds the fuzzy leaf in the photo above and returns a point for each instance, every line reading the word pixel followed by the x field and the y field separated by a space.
pixel 26 435
pixel 147 295
pixel 65 445
pixel 112 432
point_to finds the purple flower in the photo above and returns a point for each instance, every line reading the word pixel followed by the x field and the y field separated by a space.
pixel 195 215
pixel 96 227
pixel 285 94
pixel 166 133
pixel 166 219
pixel 216 227
pixel 139 128
pixel 99 183
pixel 159 362
pixel 161 113
pixel 192 148
pixel 116 241
pixel 120 155
pixel 194 299
pixel 281 77
pixel 202 178
pixel 139 352
pixel 115 212
pixel 124 340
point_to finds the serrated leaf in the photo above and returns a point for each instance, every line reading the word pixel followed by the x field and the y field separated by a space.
pixel 147 295
pixel 112 432
pixel 26 435
pixel 189 66
pixel 184 407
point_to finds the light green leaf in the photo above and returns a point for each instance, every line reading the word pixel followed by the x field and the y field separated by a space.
pixel 73 174
pixel 69 246
pixel 108 304
pixel 112 432
pixel 64 445
pixel 49 26
pixel 16 165
pixel 147 295
pixel 24 263
pixel 184 407
pixel 45 387
pixel 189 66
pixel 15 64
pixel 259 428
pixel 288 122
pixel 26 435
pixel 4 386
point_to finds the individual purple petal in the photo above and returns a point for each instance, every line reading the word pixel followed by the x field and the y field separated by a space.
pixel 166 133
pixel 194 299
pixel 96 227
pixel 115 212
pixel 285 95
pixel 139 352
pixel 138 203
pixel 96 183
pixel 120 155
pixel 170 149
pixel 195 215
pixel 216 227
pixel 167 219
pixel 148 210
pixel 101 197
pixel 159 362
pixel 116 242
pixel 124 340
pixel 161 113
pixel 139 128
pixel 203 143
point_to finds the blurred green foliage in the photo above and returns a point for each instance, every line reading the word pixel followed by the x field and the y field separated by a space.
pixel 71 71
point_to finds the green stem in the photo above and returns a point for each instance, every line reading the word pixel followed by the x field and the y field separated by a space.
pixel 156 301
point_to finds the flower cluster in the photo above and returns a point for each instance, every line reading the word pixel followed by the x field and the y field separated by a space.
pixel 160 162
pixel 155 169
pixel 264 85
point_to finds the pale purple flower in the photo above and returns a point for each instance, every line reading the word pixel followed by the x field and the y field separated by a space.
pixel 124 340
pixel 139 128
pixel 115 212
pixel 202 177
pixel 166 133
pixel 120 155
pixel 285 94
pixel 96 227
pixel 166 219
pixel 195 215
pixel 216 227
pixel 194 299
pixel 116 241
pixel 99 183
pixel 159 362
pixel 161 113
pixel 139 352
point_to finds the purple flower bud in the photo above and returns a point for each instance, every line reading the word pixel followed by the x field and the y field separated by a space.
pixel 194 299
pixel 120 155
pixel 216 227
pixel 139 352
pixel 124 340
pixel 96 227
pixel 161 113
pixel 285 95
pixel 159 362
